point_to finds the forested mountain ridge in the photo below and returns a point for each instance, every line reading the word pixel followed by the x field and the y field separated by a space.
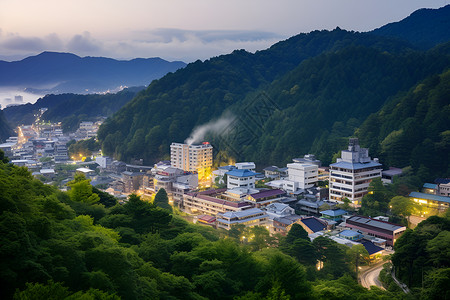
pixel 414 129
pixel 307 75
pixel 424 28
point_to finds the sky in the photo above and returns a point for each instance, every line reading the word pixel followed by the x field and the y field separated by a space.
pixel 184 30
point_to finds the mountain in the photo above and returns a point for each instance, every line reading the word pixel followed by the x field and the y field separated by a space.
pixel 414 129
pixel 5 128
pixel 52 72
pixel 319 82
pixel 70 109
pixel 424 28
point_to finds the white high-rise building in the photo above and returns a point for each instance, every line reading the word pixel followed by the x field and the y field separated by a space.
pixel 303 175
pixel 192 158
pixel 351 175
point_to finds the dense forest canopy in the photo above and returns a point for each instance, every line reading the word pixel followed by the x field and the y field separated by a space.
pixel 80 244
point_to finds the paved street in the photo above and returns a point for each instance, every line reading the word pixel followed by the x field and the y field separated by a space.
pixel 369 276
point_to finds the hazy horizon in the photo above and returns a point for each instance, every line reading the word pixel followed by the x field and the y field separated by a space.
pixel 180 30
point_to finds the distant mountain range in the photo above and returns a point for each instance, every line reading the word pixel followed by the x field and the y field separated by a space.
pixel 52 72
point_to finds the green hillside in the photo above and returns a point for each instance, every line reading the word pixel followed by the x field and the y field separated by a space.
pixel 414 129
pixel 67 245
pixel 323 86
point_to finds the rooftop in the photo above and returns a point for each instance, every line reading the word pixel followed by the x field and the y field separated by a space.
pixel 241 173
pixel 355 166
pixel 314 224
pixel 430 186
pixel 374 223
pixel 370 247
pixel 241 214
pixel 429 197
pixel 349 233
pixel 267 193
pixel 333 212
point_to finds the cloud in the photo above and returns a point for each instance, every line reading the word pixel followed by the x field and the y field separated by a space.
pixel 84 44
pixel 190 45
pixel 16 42
pixel 168 43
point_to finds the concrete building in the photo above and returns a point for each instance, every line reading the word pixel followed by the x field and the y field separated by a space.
pixel 192 158
pixel 304 176
pixel 132 181
pixel 380 229
pixel 387 177
pixel 308 159
pixel 211 202
pixel 250 217
pixel 443 186
pixel 241 178
pixel 351 175
pixel 104 161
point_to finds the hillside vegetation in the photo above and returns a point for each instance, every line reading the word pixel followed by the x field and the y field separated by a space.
pixel 59 245
pixel 320 88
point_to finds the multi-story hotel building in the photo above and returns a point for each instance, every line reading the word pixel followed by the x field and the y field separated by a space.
pixel 192 158
pixel 351 175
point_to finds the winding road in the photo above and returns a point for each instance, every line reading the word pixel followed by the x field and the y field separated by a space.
pixel 369 276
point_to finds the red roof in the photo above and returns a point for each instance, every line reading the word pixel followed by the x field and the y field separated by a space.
pixel 267 193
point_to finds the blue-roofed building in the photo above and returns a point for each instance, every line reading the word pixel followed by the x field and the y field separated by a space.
pixel 333 214
pixel 350 235
pixel 313 224
pixel 430 188
pixel 432 202
pixel 351 175
pixel 241 178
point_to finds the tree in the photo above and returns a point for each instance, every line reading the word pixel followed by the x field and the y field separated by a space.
pixel 162 200
pixel 296 232
pixel 402 206
pixel 357 253
pixel 81 190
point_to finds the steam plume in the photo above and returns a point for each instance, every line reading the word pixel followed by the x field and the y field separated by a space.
pixel 215 126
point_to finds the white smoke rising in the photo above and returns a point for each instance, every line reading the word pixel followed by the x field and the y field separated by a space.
pixel 215 126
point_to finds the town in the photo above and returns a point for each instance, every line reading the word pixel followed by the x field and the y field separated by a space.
pixel 324 200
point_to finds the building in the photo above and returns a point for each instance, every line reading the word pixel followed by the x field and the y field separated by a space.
pixel 249 217
pixel 380 229
pixel 192 158
pixel 272 172
pixel 387 176
pixel 245 165
pixel 333 214
pixel 279 210
pixel 351 175
pixel 435 203
pixel 104 161
pixel 132 181
pixel 241 178
pixel 303 175
pixel 350 235
pixel 308 159
pixel 211 202
pixel 266 197
pixel 443 186
pixel 313 224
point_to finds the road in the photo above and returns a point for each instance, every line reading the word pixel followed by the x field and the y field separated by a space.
pixel 369 276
